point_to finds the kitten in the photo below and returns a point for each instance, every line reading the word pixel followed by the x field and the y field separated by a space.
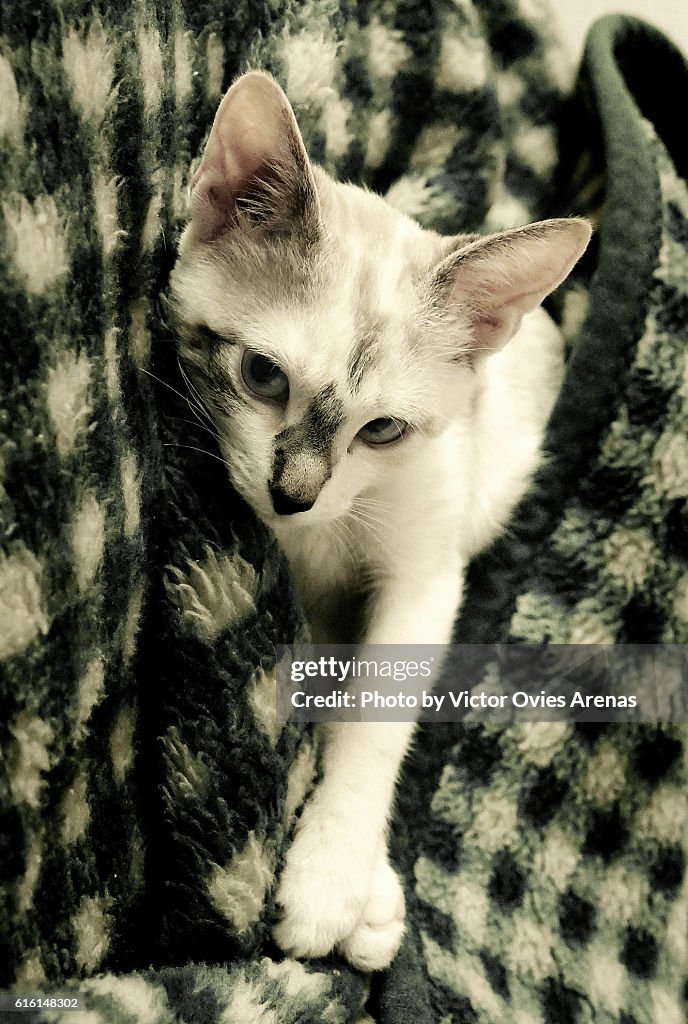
pixel 357 369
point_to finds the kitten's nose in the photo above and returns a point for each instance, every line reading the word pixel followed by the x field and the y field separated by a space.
pixel 285 505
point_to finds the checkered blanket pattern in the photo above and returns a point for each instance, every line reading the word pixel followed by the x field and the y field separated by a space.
pixel 552 883
pixel 146 791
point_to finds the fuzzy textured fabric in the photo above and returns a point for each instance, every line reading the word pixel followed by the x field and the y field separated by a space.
pixel 146 791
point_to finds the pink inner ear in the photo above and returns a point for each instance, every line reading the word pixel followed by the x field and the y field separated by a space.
pixel 501 278
pixel 492 330
pixel 481 317
pixel 254 128
pixel 227 167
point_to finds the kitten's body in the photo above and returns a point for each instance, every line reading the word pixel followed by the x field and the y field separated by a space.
pixel 451 500
pixel 367 320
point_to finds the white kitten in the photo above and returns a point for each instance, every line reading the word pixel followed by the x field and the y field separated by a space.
pixel 342 352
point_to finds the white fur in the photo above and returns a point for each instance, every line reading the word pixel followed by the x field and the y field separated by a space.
pixel 403 519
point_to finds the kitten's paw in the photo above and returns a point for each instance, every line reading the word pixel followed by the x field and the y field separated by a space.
pixel 322 892
pixel 375 940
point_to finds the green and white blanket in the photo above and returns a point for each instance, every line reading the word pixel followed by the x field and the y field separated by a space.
pixel 146 791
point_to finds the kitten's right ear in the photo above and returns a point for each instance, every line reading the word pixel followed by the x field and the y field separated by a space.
pixel 500 278
pixel 255 171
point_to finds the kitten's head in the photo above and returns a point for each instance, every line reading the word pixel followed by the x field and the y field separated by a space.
pixel 330 336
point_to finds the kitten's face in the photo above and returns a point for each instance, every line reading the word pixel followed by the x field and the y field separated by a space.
pixel 321 327
pixel 326 365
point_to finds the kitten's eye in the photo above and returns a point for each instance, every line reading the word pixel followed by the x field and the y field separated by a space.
pixel 263 377
pixel 383 430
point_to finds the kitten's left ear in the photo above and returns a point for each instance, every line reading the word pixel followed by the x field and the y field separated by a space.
pixel 498 279
pixel 255 172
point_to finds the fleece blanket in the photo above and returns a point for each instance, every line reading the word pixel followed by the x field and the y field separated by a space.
pixel 147 793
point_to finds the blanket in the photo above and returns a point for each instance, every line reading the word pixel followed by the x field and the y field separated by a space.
pixel 147 792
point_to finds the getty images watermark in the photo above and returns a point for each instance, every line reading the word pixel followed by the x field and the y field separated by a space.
pixel 483 682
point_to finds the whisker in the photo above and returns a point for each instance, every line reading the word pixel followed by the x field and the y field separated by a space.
pixel 342 533
pixel 195 423
pixel 364 499
pixel 194 391
pixel 348 532
pixel 366 517
pixel 191 447
pixel 372 503
pixel 373 527
pixel 195 403
pixel 367 510
pixel 339 543
pixel 385 530
pixel 194 407
pixel 184 398
pixel 164 383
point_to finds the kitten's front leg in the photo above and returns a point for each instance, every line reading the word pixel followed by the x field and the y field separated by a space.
pixel 337 863
pixel 338 887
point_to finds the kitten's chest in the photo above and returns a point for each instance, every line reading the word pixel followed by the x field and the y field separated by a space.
pixel 329 571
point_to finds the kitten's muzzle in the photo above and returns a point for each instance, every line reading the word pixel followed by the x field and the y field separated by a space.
pixel 298 475
pixel 285 504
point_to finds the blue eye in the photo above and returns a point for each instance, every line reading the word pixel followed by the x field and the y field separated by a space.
pixel 263 377
pixel 384 430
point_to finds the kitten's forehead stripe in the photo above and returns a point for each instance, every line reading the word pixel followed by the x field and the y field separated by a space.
pixel 325 414
pixel 368 326
pixel 316 430
pixel 362 356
